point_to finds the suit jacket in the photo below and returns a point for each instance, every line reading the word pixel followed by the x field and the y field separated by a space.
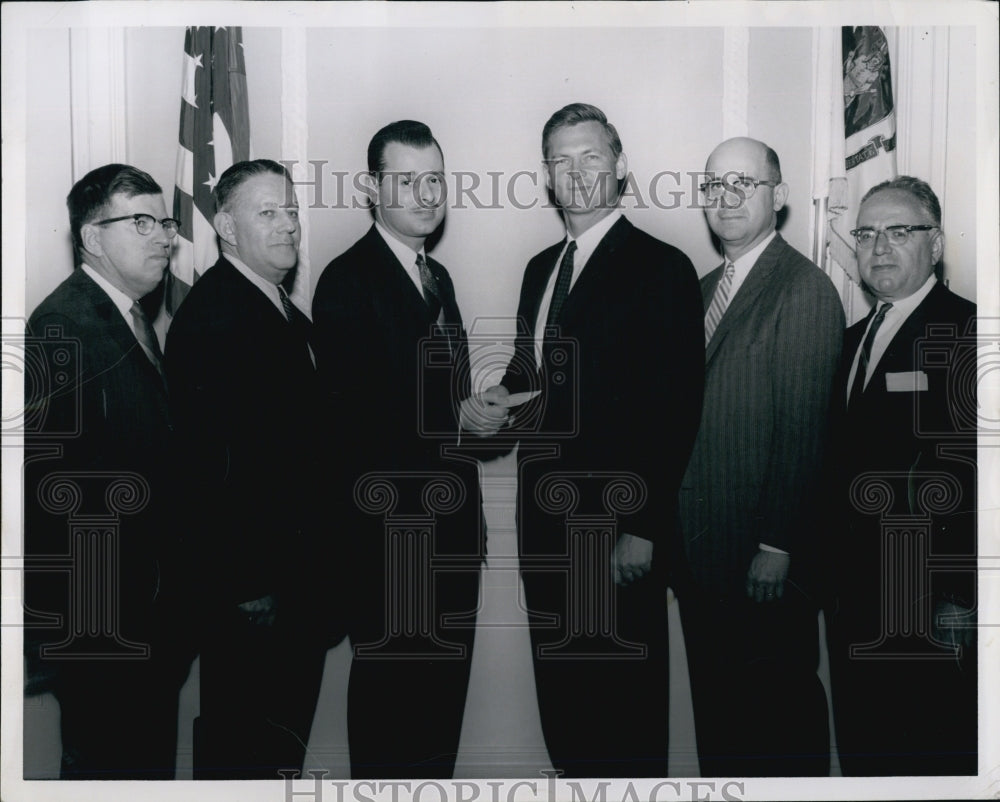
pixel 96 409
pixel 769 371
pixel 244 396
pixel 392 387
pixel 914 435
pixel 621 387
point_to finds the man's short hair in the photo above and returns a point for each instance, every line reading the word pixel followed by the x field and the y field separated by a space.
pixel 233 178
pixel 574 114
pixel 772 164
pixel 920 190
pixel 92 194
pixel 405 132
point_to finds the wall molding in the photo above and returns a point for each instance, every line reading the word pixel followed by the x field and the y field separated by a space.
pixel 97 98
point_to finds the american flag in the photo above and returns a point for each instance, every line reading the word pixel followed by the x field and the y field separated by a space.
pixel 214 134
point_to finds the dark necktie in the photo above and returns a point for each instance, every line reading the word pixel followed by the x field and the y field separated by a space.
pixel 866 353
pixel 432 293
pixel 147 337
pixel 561 289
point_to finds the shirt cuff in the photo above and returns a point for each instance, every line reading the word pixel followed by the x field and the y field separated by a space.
pixel 765 547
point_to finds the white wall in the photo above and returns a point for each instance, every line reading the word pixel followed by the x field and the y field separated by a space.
pixel 486 93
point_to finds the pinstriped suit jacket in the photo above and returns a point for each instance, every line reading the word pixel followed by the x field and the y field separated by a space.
pixel 769 370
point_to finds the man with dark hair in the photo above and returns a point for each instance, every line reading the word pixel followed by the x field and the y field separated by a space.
pixel 393 358
pixel 773 330
pixel 244 397
pixel 902 632
pixel 609 336
pixel 96 489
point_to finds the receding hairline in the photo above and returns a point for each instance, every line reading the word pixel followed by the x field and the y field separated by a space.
pixel 238 190
pixel 765 156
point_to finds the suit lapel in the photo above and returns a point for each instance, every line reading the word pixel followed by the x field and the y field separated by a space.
pixel 589 280
pixel 115 328
pixel 745 299
pixel 900 355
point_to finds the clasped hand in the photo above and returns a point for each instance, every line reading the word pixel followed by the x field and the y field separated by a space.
pixel 484 413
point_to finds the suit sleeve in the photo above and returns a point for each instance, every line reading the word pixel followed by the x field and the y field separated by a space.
pixel 805 357
pixel 661 405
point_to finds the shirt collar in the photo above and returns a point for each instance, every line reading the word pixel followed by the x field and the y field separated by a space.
pixel 749 259
pixel 118 298
pixel 268 288
pixel 588 241
pixel 404 253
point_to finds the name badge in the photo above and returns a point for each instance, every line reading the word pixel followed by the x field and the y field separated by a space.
pixel 912 381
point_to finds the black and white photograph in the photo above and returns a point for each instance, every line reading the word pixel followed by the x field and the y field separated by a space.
pixel 500 402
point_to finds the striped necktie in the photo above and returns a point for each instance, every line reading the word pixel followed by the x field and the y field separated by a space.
pixel 286 304
pixel 720 301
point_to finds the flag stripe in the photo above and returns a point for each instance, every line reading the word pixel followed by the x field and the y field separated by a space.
pixel 214 128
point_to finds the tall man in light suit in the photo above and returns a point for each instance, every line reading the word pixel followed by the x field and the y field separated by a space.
pixel 393 359
pixel 609 332
pixel 112 663
pixel 244 395
pixel 773 332
pixel 902 632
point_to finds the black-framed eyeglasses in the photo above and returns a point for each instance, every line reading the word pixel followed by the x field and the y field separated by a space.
pixel 897 235
pixel 145 223
pixel 742 185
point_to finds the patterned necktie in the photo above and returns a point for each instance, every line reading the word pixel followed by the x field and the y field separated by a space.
pixel 720 301
pixel 147 337
pixel 432 293
pixel 561 289
pixel 286 304
pixel 866 354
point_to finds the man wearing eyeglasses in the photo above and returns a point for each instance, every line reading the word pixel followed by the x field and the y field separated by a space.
pixel 244 397
pixel 97 494
pixel 773 331
pixel 902 634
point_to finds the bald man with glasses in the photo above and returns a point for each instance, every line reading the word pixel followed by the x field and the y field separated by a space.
pixel 903 548
pixel 97 492
pixel 773 331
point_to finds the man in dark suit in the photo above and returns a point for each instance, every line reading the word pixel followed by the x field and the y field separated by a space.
pixel 773 332
pixel 902 633
pixel 609 332
pixel 96 492
pixel 244 395
pixel 393 358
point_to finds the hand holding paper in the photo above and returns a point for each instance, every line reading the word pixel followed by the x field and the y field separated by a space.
pixel 484 413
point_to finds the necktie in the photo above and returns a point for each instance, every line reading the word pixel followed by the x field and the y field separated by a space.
pixel 432 293
pixel 147 337
pixel 286 304
pixel 720 301
pixel 866 353
pixel 561 290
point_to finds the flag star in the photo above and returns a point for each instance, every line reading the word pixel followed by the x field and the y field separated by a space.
pixel 197 60
pixel 212 181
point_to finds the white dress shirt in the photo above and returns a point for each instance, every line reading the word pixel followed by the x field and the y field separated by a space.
pixel 118 298
pixel 586 244
pixel 745 263
pixel 891 323
pixel 406 255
